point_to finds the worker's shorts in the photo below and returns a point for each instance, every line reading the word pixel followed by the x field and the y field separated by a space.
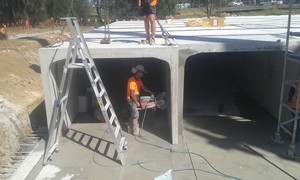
pixel 146 9
pixel 133 111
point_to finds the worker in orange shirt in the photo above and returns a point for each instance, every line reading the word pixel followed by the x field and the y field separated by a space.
pixel 134 87
pixel 3 30
pixel 293 95
pixel 148 11
pixel 3 35
pixel 293 98
pixel 27 24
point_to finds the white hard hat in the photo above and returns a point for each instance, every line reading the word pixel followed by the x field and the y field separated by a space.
pixel 137 68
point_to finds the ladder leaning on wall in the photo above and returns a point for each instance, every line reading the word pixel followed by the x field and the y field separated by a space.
pixel 288 83
pixel 78 51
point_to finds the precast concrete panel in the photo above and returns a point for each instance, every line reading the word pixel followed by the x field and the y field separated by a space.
pixel 52 60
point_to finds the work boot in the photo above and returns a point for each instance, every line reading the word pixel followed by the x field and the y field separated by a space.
pixel 136 130
pixel 152 41
pixel 129 128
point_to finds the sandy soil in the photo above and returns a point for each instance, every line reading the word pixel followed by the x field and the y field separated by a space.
pixel 21 88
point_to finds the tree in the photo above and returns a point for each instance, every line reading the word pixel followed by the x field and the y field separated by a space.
pixel 211 4
pixel 38 10
pixel 35 11
pixel 166 7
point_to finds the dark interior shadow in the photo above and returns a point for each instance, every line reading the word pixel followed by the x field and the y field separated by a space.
pixel 38 120
pixel 71 136
pixel 36 68
pixel 42 42
pixel 155 122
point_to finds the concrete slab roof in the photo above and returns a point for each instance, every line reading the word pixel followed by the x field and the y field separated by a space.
pixel 255 33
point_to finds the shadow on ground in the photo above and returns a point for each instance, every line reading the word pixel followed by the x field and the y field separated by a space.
pixel 252 128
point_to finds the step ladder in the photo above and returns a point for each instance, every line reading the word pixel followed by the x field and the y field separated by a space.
pixel 284 105
pixel 78 51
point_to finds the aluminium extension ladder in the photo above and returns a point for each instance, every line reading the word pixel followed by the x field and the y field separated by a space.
pixel 78 51
pixel 288 83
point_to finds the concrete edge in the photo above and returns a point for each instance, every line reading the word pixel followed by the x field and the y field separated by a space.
pixel 25 170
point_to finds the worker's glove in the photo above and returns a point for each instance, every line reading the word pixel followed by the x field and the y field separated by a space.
pixel 152 97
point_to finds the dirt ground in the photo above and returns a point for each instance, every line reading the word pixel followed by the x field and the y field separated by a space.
pixel 21 88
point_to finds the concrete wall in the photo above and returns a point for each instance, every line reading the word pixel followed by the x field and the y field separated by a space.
pixel 76 88
pixel 258 74
pixel 169 55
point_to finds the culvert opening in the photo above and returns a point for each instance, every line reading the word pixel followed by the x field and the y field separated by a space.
pixel 233 93
pixel 115 74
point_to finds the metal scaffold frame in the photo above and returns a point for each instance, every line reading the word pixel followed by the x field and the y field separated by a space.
pixel 283 122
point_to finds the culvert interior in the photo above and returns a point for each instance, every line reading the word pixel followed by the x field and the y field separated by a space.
pixel 242 85
pixel 115 74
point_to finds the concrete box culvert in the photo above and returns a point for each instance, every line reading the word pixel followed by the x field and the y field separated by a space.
pixel 115 71
pixel 212 80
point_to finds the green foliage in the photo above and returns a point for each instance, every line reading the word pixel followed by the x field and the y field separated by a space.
pixel 36 11
pixel 166 7
pixel 190 13
pixel 61 8
pixel 39 10
pixel 81 9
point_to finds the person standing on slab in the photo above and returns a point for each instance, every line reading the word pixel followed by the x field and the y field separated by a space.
pixel 134 88
pixel 147 9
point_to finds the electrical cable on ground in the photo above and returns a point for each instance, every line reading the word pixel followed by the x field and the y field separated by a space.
pixel 183 152
pixel 191 160
pixel 140 164
pixel 179 170
pixel 251 149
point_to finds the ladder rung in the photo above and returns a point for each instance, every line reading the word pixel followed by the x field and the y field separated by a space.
pixel 78 65
pixel 97 79
pixel 112 118
pixel 122 141
pixel 102 92
pixel 63 99
pixel 117 130
pixel 108 104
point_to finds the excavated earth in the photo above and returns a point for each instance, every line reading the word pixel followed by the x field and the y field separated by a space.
pixel 21 92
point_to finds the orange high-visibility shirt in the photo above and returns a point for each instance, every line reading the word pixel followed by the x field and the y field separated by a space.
pixel 133 85
pixel 3 30
pixel 293 102
pixel 152 2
